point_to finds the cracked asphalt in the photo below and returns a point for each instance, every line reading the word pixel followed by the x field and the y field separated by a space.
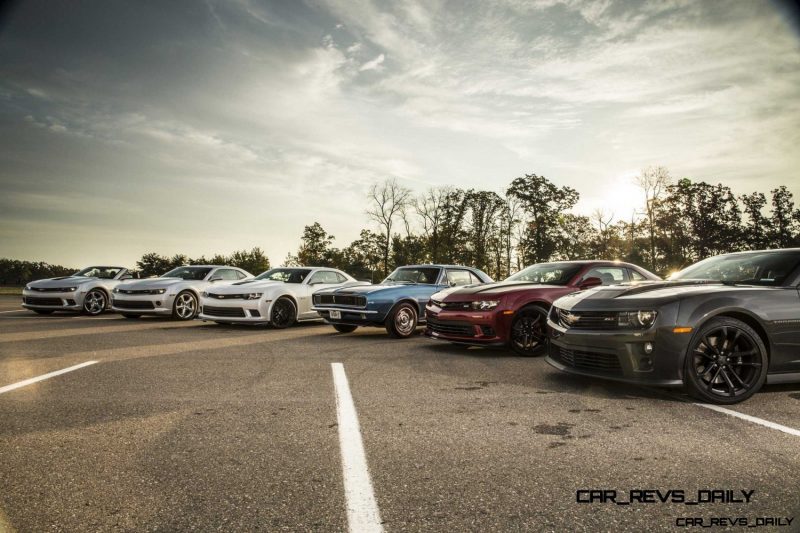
pixel 200 427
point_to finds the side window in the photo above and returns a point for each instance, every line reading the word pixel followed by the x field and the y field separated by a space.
pixel 228 274
pixel 635 276
pixel 475 279
pixel 458 277
pixel 340 278
pixel 324 276
pixel 609 275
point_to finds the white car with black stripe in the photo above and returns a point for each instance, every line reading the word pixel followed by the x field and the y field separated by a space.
pixel 176 293
pixel 280 296
pixel 87 291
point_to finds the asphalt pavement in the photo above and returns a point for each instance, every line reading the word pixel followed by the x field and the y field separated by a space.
pixel 201 427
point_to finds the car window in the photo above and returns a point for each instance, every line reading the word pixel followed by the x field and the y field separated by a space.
pixel 608 275
pixel 99 272
pixel 227 274
pixel 287 275
pixel 240 274
pixel 188 273
pixel 427 275
pixel 458 277
pixel 341 278
pixel 475 279
pixel 324 276
pixel 635 276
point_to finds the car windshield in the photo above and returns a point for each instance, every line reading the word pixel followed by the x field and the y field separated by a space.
pixel 99 272
pixel 547 273
pixel 760 268
pixel 426 275
pixel 286 275
pixel 188 273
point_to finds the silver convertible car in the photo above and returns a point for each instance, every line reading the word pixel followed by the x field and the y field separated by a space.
pixel 176 293
pixel 87 291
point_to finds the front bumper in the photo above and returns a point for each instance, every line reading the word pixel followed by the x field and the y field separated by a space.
pixel 235 310
pixel 145 304
pixel 619 354
pixel 63 301
pixel 479 328
pixel 351 316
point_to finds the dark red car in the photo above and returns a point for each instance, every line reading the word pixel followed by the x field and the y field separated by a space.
pixel 513 312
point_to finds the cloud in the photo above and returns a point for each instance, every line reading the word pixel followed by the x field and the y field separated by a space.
pixel 373 64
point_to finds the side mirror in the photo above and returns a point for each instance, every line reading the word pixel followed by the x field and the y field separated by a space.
pixel 588 283
pixel 215 278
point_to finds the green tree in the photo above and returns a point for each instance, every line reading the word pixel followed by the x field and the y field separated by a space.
pixel 543 202
pixel 315 247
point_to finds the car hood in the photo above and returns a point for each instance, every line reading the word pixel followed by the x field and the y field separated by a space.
pixel 373 289
pixel 153 283
pixel 64 281
pixel 455 294
pixel 649 293
pixel 244 286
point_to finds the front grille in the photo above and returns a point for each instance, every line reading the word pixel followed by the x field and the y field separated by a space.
pixel 453 306
pixel 597 320
pixel 33 300
pixel 56 289
pixel 451 328
pixel 586 360
pixel 225 296
pixel 139 291
pixel 223 311
pixel 133 304
pixel 348 300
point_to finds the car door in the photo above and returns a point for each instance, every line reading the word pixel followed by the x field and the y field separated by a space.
pixel 318 281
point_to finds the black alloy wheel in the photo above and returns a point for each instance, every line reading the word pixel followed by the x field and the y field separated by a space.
pixel 726 363
pixel 284 313
pixel 528 332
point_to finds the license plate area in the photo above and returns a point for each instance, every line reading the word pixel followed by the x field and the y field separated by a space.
pixel 336 315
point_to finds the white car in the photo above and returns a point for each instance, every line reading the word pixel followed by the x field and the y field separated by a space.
pixel 176 293
pixel 86 291
pixel 280 296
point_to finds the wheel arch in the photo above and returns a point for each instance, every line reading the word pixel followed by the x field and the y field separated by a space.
pixel 288 296
pixel 102 289
pixel 749 318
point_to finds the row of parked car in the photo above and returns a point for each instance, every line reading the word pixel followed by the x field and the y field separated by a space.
pixel 721 327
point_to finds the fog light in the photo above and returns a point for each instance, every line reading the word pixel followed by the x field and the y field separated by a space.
pixel 648 347
pixel 158 303
pixel 645 364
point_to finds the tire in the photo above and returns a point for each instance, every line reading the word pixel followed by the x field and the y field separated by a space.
pixel 402 321
pixel 129 315
pixel 95 302
pixel 44 311
pixel 185 306
pixel 283 314
pixel 528 335
pixel 344 328
pixel 726 362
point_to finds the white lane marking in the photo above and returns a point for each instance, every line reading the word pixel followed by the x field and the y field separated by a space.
pixel 49 375
pixel 15 311
pixel 362 509
pixel 753 419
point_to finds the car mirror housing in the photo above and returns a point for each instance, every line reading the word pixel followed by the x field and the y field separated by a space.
pixel 216 278
pixel 588 283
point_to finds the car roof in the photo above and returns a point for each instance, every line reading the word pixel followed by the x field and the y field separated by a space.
pixel 432 265
pixel 105 266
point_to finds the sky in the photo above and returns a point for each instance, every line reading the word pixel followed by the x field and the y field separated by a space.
pixel 206 127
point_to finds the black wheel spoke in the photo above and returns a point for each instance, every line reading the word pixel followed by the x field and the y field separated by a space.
pixel 713 379
pixel 733 373
pixel 710 346
pixel 731 386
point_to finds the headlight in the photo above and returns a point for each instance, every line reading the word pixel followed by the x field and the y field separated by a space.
pixel 637 319
pixel 253 296
pixel 158 291
pixel 204 294
pixel 116 290
pixel 484 305
pixel 72 289
pixel 27 287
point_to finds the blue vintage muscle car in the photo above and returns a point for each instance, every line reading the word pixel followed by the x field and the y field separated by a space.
pixel 397 303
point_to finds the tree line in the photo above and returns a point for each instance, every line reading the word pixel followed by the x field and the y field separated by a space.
pixel 679 223
pixel 531 221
